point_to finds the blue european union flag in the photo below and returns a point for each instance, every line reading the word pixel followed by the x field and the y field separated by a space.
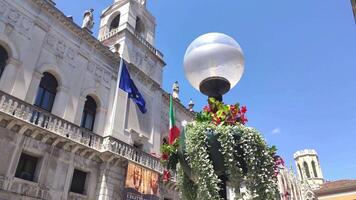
pixel 127 84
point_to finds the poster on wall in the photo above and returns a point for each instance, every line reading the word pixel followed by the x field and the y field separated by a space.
pixel 141 183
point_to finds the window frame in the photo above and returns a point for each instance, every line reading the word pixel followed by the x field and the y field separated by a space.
pixel 45 96
pixel 83 190
pixel 117 20
pixel 4 62
pixel 306 168
pixel 87 111
pixel 34 176
pixel 314 169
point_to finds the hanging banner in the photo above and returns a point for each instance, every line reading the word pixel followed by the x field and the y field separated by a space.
pixel 141 183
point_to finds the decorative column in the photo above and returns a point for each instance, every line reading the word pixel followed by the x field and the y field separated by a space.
pixel 100 121
pixel 8 77
pixel 60 101
pixel 79 110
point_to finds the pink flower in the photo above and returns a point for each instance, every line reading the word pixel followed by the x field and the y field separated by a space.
pixel 207 109
pixel 166 175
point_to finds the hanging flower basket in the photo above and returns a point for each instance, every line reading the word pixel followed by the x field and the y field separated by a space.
pixel 218 144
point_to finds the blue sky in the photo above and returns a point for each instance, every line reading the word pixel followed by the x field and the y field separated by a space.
pixel 299 83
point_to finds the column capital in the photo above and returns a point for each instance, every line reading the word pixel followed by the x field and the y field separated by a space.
pixel 63 88
pixel 14 62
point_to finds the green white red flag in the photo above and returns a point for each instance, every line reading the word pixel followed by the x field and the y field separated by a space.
pixel 173 129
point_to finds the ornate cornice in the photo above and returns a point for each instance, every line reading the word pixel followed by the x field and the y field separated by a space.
pixel 50 9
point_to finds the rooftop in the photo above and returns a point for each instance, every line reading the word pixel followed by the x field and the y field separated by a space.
pixel 334 187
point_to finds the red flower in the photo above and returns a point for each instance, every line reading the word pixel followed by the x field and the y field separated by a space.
pixel 166 175
pixel 243 110
pixel 216 120
pixel 233 110
pixel 243 119
pixel 164 156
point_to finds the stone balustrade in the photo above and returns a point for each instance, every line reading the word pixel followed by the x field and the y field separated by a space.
pixel 43 119
pixel 38 117
pixel 133 154
pixel 148 45
pixel 141 39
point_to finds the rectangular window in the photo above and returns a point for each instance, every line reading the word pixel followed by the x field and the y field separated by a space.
pixel 78 182
pixel 26 167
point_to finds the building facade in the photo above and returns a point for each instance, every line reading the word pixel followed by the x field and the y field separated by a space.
pixel 291 188
pixel 66 130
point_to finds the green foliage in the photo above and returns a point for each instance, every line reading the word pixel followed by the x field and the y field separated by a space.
pixel 170 155
pixel 247 158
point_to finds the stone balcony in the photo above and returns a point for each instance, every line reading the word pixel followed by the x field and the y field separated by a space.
pixel 31 121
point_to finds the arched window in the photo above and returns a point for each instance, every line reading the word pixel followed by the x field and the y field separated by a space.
pixel 46 92
pixel 300 171
pixel 314 169
pixel 88 117
pixel 306 168
pixel 3 59
pixel 139 28
pixel 115 22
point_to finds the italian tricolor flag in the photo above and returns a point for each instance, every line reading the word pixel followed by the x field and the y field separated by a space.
pixel 173 129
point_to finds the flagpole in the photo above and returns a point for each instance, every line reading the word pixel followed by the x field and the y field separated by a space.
pixel 113 111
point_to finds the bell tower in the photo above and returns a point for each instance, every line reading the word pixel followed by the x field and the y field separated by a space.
pixel 128 28
pixel 308 167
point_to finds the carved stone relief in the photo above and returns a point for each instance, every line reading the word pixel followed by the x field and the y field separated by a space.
pixel 144 62
pixel 18 20
pixel 65 52
pixel 101 75
pixel 60 49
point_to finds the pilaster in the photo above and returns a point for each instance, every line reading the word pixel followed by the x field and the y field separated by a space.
pixel 60 102
pixel 8 77
pixel 111 181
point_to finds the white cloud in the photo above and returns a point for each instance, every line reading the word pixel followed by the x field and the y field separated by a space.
pixel 276 131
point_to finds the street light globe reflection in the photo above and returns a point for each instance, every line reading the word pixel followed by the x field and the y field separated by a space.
pixel 213 64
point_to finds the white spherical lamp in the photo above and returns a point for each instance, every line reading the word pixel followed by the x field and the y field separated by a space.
pixel 213 64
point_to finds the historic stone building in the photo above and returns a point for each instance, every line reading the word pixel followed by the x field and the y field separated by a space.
pixel 291 188
pixel 308 167
pixel 66 130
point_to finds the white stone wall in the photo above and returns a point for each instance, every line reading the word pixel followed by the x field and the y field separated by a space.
pixel 40 39
pixel 48 46
pixel 54 170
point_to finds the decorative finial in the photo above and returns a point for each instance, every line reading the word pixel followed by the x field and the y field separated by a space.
pixel 191 105
pixel 88 19
pixel 175 88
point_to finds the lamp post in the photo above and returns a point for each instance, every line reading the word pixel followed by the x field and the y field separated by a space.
pixel 214 64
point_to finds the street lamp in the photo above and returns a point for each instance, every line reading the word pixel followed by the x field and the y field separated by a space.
pixel 213 64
